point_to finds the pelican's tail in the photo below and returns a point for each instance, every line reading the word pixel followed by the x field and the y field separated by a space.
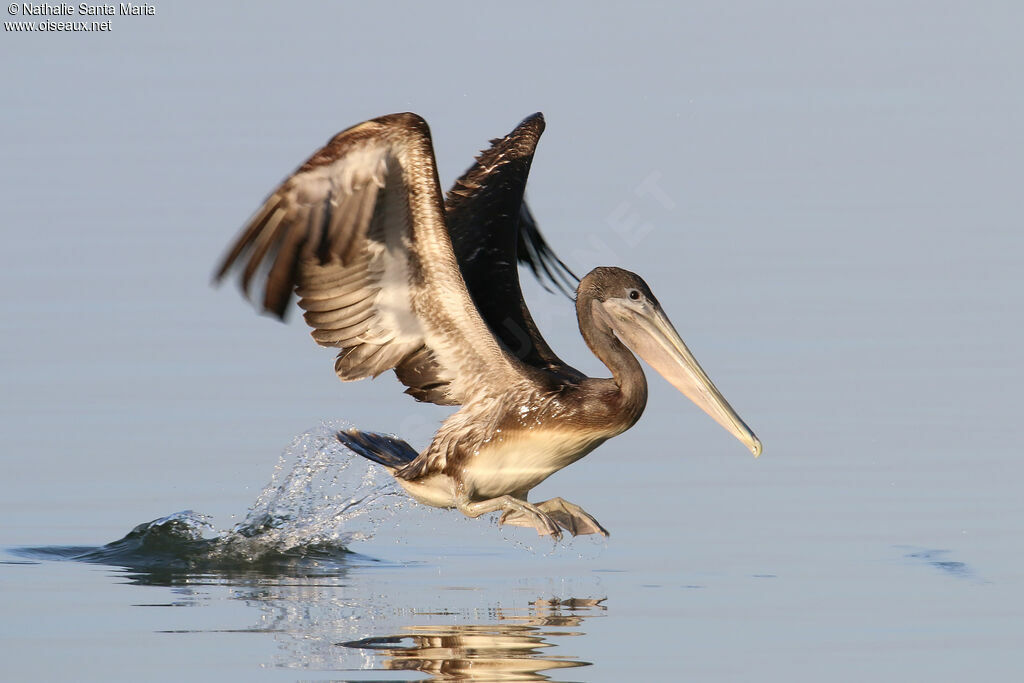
pixel 386 450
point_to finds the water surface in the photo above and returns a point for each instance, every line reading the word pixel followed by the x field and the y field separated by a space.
pixel 825 200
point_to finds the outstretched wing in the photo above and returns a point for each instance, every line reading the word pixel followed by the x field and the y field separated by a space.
pixel 491 228
pixel 358 232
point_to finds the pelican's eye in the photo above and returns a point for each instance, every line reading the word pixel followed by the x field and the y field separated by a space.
pixel 634 295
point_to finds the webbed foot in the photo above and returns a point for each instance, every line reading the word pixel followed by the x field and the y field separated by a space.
pixel 569 516
pixel 515 512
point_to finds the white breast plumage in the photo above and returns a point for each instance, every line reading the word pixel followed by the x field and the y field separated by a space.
pixel 517 464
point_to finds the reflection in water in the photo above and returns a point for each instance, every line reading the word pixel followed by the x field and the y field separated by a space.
pixel 509 650
pixel 324 619
pixel 326 613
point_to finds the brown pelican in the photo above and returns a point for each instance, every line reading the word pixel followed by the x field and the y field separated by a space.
pixel 400 278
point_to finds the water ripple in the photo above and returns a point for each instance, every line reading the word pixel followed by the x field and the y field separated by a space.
pixel 938 560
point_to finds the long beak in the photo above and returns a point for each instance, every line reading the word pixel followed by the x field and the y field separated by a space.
pixel 652 337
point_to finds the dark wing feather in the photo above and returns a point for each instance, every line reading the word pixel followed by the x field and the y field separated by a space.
pixel 491 228
pixel 358 232
pixel 532 250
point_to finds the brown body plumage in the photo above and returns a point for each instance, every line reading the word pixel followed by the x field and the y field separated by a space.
pixel 400 279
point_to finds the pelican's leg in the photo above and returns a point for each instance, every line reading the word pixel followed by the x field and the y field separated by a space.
pixel 571 517
pixel 517 512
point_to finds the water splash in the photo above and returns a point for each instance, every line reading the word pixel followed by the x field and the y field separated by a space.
pixel 321 495
pixel 320 498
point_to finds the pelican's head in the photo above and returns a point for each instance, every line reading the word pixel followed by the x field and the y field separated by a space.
pixel 626 304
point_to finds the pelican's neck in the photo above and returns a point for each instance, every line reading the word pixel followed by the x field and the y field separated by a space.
pixel 626 371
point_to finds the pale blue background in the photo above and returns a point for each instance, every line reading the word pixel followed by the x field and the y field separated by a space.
pixel 839 243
